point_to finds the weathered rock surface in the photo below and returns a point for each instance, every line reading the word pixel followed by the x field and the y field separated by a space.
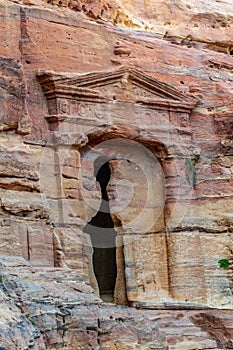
pixel 159 77
pixel 52 308
pixel 206 24
pixel 199 23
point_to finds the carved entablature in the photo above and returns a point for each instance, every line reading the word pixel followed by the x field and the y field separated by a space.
pixel 108 97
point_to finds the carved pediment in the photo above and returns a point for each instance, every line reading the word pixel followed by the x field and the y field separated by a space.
pixel 124 84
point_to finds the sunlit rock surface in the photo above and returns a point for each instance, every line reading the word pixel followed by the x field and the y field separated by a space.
pixel 145 87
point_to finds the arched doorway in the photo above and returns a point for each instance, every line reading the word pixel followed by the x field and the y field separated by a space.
pixel 103 237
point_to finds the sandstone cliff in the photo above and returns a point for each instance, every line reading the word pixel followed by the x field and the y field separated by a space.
pixel 159 76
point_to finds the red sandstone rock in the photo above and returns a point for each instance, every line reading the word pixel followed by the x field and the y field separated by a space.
pixel 107 82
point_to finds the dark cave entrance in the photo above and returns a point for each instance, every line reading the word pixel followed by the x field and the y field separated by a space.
pixel 103 238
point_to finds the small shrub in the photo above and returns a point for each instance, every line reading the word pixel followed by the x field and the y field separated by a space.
pixel 65 329
pixel 224 263
pixel 191 171
pixel 32 322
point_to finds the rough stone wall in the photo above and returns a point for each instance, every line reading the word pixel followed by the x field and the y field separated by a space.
pixel 200 24
pixel 186 45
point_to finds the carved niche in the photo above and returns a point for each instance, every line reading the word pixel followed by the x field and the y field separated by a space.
pixel 133 105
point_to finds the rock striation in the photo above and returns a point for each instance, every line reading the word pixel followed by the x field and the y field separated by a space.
pixel 116 169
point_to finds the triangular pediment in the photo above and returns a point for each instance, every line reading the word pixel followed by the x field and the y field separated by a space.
pixel 124 84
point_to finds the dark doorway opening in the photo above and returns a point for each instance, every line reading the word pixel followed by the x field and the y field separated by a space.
pixel 103 238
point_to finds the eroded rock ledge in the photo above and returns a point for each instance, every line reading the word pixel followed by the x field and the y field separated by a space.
pixel 193 24
pixel 51 309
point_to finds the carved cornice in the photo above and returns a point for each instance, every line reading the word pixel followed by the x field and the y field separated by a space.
pixel 125 84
